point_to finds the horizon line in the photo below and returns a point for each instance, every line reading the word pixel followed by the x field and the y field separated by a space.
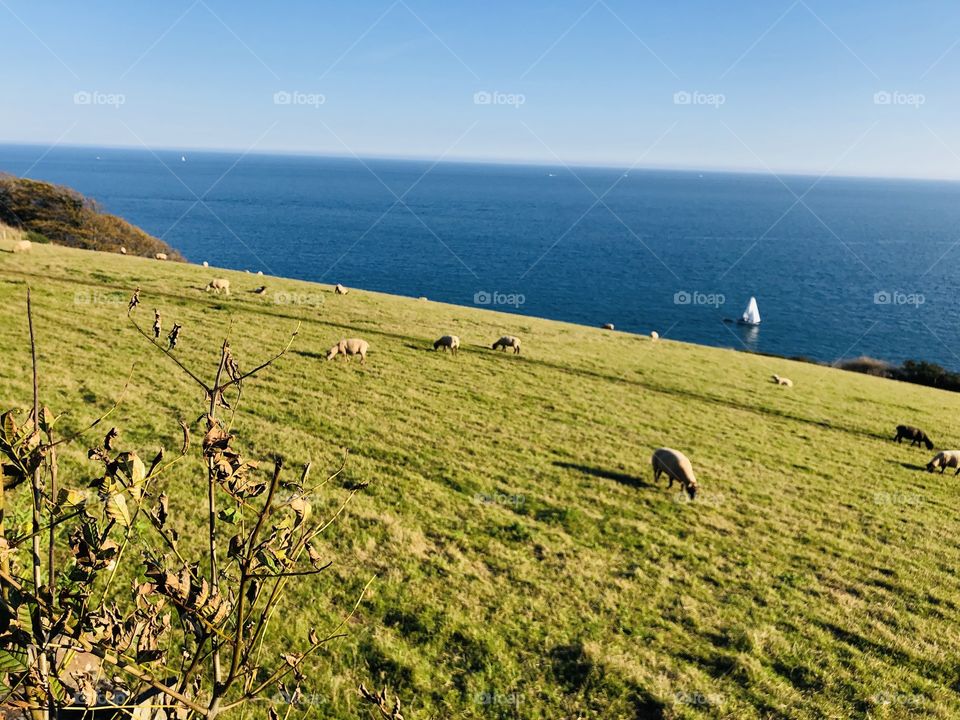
pixel 473 160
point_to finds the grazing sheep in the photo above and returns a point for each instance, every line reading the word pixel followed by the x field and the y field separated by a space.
pixel 654 335
pixel 351 346
pixel 786 382
pixel 160 256
pixel 448 342
pixel 914 435
pixel 677 467
pixel 508 341
pixel 218 284
pixel 945 459
pixel 123 250
pixel 340 289
pixel 22 246
pixel 206 264
pixel 608 326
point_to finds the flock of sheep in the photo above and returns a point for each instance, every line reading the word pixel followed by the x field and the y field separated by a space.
pixel 665 461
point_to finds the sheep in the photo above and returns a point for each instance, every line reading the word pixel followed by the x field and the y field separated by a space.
pixel 915 435
pixel 123 250
pixel 608 326
pixel 22 246
pixel 160 256
pixel 945 459
pixel 351 346
pixel 677 467
pixel 654 336
pixel 218 284
pixel 786 382
pixel 340 289
pixel 448 342
pixel 508 341
pixel 206 264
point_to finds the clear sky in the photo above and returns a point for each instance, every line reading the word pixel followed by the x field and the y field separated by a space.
pixel 820 86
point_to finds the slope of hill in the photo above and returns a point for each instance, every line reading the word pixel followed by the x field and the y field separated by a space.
pixel 526 565
pixel 64 216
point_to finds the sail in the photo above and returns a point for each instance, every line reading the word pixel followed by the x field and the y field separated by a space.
pixel 752 313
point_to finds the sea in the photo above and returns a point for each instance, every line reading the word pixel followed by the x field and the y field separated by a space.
pixel 840 267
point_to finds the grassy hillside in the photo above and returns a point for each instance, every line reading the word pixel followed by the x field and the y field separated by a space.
pixel 526 566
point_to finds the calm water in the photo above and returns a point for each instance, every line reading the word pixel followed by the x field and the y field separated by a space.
pixel 540 234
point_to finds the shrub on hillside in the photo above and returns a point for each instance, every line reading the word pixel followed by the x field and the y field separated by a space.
pixel 105 613
pixel 65 217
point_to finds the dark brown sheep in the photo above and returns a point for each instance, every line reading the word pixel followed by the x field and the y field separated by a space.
pixel 914 435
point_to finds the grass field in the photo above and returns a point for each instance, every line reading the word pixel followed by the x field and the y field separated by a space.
pixel 526 566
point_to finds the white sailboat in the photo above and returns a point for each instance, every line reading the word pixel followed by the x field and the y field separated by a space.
pixel 751 314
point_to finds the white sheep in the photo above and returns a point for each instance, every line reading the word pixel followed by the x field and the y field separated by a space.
pixel 218 284
pixel 340 289
pixel 160 256
pixel 448 342
pixel 945 459
pixel 351 346
pixel 654 336
pixel 508 341
pixel 677 467
pixel 22 246
pixel 206 264
pixel 608 326
pixel 786 382
pixel 123 250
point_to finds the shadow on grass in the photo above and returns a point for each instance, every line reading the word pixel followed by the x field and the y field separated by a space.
pixel 908 466
pixel 622 478
pixel 311 355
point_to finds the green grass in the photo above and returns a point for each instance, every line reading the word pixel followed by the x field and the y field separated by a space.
pixel 526 566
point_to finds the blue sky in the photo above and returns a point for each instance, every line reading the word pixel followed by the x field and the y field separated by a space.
pixel 815 86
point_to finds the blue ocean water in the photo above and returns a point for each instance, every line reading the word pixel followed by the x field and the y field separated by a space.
pixel 840 267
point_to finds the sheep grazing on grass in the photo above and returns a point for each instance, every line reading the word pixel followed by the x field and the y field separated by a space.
pixel 206 264
pixel 351 346
pixel 914 435
pixel 777 380
pixel 608 326
pixel 218 285
pixel 340 289
pixel 508 341
pixel 945 459
pixel 654 335
pixel 160 256
pixel 448 342
pixel 123 250
pixel 22 246
pixel 677 467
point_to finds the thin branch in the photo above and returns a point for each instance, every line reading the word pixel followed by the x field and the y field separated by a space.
pixel 169 354
pixel 261 366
